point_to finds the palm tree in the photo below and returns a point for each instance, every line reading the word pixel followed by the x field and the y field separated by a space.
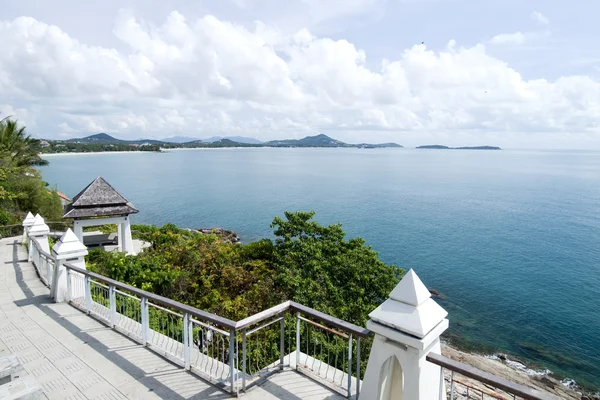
pixel 16 147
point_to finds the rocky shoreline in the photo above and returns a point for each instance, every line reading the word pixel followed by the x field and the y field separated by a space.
pixel 225 235
pixel 502 366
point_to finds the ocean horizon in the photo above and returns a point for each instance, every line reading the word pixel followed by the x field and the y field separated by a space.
pixel 510 239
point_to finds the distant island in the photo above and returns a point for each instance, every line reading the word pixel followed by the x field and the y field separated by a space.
pixel 102 142
pixel 440 147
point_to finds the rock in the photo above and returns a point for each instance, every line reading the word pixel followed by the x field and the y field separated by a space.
pixel 547 382
pixel 225 235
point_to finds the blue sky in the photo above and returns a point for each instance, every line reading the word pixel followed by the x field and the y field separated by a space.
pixel 513 73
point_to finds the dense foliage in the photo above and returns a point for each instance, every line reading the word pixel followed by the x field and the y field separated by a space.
pixel 70 147
pixel 21 185
pixel 308 263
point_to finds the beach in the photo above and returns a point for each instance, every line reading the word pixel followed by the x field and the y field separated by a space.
pixel 95 153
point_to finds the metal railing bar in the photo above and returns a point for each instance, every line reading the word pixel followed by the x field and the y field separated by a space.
pixel 263 315
pixel 224 322
pixel 329 320
pixel 485 377
pixel 250 332
pixel 166 310
pixel 125 294
pixel 207 326
pixel 99 284
pixel 326 328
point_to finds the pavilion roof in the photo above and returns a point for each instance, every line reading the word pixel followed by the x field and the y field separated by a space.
pixel 98 199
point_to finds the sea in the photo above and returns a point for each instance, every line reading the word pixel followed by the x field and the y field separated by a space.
pixel 510 239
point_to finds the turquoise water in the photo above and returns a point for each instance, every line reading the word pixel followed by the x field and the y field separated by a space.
pixel 510 238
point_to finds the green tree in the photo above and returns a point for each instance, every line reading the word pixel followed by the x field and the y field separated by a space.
pixel 16 147
pixel 21 185
pixel 318 267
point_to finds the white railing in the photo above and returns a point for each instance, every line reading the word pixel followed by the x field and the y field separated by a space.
pixel 237 355
pixel 482 385
pixel 43 262
pixel 234 355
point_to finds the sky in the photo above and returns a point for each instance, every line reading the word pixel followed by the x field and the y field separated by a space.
pixel 518 74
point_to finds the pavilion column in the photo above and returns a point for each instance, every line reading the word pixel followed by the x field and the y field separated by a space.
pixel 120 236
pixel 68 249
pixel 127 246
pixel 407 327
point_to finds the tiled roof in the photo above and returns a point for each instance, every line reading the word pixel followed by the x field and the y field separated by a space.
pixel 62 196
pixel 98 199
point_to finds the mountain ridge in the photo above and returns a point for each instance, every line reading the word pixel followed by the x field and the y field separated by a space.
pixel 320 140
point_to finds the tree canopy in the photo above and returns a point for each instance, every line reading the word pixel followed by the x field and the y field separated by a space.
pixel 16 147
pixel 309 263
pixel 21 185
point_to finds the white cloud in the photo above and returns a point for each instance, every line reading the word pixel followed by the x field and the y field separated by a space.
pixel 510 38
pixel 539 18
pixel 209 76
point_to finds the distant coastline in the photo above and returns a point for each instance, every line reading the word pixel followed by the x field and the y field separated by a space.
pixel 80 153
pixel 101 143
pixel 441 147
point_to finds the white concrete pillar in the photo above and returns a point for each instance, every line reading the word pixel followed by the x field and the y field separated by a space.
pixel 119 237
pixel 38 230
pixel 127 246
pixel 68 249
pixel 27 222
pixel 78 230
pixel 407 327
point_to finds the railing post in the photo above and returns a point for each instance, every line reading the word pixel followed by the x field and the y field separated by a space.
pixel 357 367
pixel 281 342
pixel 113 305
pixel 244 359
pixel 88 294
pixel 232 360
pixel 29 250
pixel 68 295
pixel 419 380
pixel 186 340
pixel 68 248
pixel 27 222
pixel 452 386
pixel 48 271
pixel 145 324
pixel 349 365
pixel 442 385
pixel 297 340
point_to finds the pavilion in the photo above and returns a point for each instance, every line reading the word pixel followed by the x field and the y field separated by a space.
pixel 100 204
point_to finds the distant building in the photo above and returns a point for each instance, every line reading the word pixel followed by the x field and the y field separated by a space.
pixel 133 144
pixel 44 144
pixel 64 200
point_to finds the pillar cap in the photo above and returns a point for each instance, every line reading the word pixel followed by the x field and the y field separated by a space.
pixel 69 246
pixel 410 308
pixel 39 226
pixel 28 221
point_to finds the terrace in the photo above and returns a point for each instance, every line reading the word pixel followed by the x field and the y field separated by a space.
pixel 68 333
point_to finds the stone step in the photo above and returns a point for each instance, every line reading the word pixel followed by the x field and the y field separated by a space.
pixel 22 388
pixel 9 367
